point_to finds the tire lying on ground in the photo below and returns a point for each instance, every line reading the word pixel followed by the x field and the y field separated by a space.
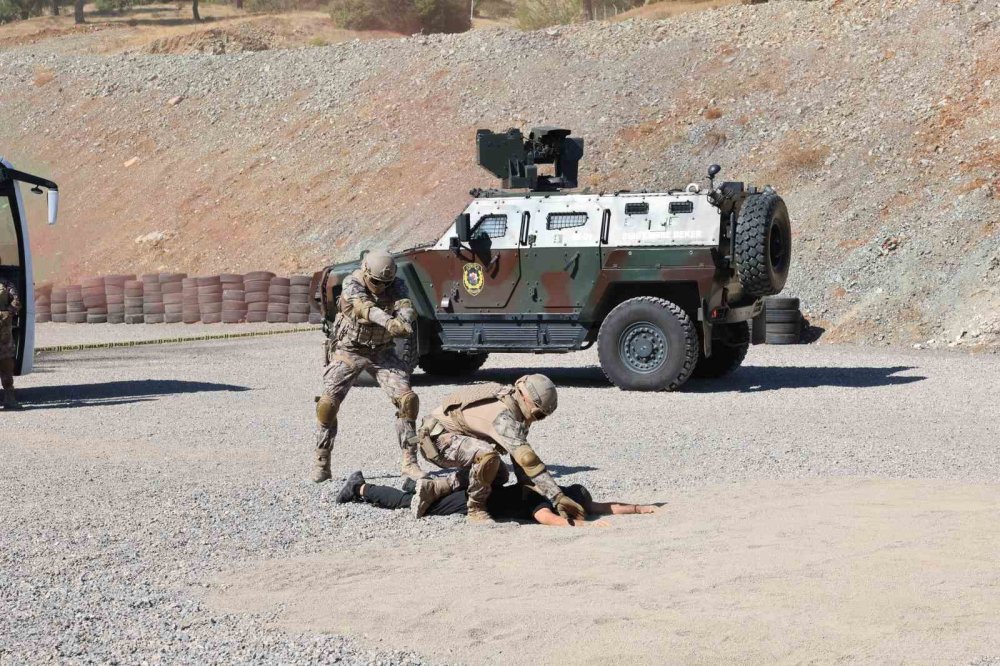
pixel 730 343
pixel 763 247
pixel 647 344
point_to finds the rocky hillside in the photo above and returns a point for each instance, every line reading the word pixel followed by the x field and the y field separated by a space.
pixel 877 120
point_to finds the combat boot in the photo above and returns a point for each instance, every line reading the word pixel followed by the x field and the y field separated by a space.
pixel 427 492
pixel 409 466
pixel 479 516
pixel 321 468
pixel 351 492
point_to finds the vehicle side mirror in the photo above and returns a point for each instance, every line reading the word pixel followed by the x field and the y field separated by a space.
pixel 463 224
pixel 53 205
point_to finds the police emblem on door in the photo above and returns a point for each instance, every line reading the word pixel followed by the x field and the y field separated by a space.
pixel 473 277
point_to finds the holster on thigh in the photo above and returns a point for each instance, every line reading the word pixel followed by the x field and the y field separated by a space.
pixel 430 430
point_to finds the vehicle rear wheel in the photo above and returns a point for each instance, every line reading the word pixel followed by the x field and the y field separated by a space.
pixel 451 364
pixel 763 247
pixel 647 344
pixel 729 347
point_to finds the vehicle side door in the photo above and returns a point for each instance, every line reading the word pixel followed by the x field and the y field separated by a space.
pixel 561 255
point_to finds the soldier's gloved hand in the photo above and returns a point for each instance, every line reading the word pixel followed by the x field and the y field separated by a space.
pixel 567 508
pixel 398 328
pixel 4 315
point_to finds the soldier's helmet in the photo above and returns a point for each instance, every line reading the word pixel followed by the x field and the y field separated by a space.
pixel 539 393
pixel 379 270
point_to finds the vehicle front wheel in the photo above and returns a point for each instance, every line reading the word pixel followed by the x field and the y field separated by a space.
pixel 451 364
pixel 647 344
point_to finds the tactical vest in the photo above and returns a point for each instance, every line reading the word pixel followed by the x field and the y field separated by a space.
pixel 455 404
pixel 351 330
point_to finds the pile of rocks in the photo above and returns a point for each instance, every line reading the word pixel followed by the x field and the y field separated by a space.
pixel 157 298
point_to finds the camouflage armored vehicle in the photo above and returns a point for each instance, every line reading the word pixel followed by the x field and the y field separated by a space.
pixel 666 284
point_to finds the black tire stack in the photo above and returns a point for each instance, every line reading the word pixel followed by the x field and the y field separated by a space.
pixel 43 303
pixel 152 299
pixel 255 288
pixel 172 288
pixel 190 312
pixel 234 306
pixel 298 299
pixel 59 305
pixel 210 299
pixel 783 321
pixel 95 299
pixel 133 302
pixel 315 316
pixel 114 292
pixel 76 311
pixel 277 300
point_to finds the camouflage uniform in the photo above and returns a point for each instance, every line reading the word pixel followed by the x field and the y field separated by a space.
pixel 362 344
pixel 471 429
pixel 10 306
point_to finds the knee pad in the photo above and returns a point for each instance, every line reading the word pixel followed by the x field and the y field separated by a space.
pixel 486 465
pixel 408 405
pixel 326 411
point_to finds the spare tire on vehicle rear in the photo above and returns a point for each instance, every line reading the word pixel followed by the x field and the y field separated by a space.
pixel 763 247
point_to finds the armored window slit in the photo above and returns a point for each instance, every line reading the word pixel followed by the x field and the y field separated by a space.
pixel 557 221
pixel 494 226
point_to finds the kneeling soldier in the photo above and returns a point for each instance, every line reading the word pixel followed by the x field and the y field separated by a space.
pixel 373 309
pixel 473 427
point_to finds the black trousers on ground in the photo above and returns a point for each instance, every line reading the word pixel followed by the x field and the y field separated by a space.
pixel 391 498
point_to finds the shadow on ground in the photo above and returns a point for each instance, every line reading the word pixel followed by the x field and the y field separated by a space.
pixel 754 379
pixel 744 380
pixel 585 377
pixel 566 470
pixel 114 393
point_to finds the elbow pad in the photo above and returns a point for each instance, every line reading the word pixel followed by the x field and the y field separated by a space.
pixel 362 308
pixel 528 460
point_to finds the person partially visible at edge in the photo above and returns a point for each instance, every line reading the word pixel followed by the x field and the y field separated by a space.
pixel 10 307
pixel 373 309
pixel 474 426
pixel 437 497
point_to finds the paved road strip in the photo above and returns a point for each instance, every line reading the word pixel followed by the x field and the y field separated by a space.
pixel 165 341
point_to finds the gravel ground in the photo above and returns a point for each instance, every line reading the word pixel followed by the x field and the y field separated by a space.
pixel 136 477
pixel 56 335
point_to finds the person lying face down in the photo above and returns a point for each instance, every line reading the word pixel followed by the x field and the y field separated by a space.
pixel 435 497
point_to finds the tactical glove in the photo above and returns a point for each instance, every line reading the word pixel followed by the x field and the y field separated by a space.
pixel 567 508
pixel 398 328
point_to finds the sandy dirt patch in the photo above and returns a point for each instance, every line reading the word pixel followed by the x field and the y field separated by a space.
pixel 786 572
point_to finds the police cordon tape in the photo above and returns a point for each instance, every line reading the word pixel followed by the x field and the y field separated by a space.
pixel 166 341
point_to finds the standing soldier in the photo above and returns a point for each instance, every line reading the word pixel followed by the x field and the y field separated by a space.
pixel 373 308
pixel 472 427
pixel 10 306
